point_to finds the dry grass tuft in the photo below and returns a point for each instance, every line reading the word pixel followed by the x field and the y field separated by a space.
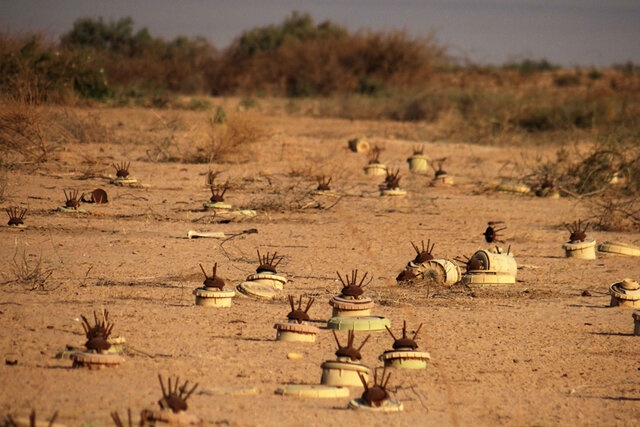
pixel 29 270
pixel 616 214
pixel 232 140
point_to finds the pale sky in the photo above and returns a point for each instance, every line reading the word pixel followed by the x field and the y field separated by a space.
pixel 565 32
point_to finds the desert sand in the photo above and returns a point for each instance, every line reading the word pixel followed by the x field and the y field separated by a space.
pixel 537 352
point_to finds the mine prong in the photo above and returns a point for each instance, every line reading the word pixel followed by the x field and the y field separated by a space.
pixel 164 393
pixel 415 334
pixel 363 381
pixel 309 303
pixel 336 337
pixel 391 333
pixel 203 272
pixel 364 342
pixel 341 280
pixel 190 392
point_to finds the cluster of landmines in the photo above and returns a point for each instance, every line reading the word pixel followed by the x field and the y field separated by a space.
pixel 351 309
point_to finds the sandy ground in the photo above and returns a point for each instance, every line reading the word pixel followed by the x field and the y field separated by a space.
pixel 533 353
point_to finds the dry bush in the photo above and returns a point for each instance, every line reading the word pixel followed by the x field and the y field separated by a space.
pixel 232 140
pixel 22 132
pixel 85 128
pixel 616 214
pixel 29 270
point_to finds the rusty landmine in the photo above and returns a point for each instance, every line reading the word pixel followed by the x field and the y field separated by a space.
pixel 424 254
pixel 16 216
pixel 297 314
pixel 406 276
pixel 471 264
pixel 212 281
pixel 377 394
pixel 323 183
pixel 392 181
pixel 439 172
pixel 374 155
pixel 175 397
pixel 404 342
pixel 122 169
pixel 266 264
pixel 578 232
pixel 218 191
pixel 349 286
pixel 97 335
pixel 349 351
pixel 71 199
pixel 491 234
pixel 97 196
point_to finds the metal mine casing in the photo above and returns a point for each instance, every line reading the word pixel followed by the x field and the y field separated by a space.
pixel 313 391
pixel 359 145
pixel 447 271
pixel 349 307
pixel 619 248
pixel 212 297
pixel 274 280
pixel 418 163
pixel 364 323
pixel 124 181
pixel 343 373
pixel 581 250
pixel 375 169
pixel 408 359
pixel 96 360
pixel 217 205
pixel 483 277
pixel 498 263
pixel 390 405
pixel 393 192
pixel 293 331
pixel 625 294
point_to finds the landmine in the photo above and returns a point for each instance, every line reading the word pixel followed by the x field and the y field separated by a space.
pixel 173 406
pixel 323 188
pixel 376 397
pixel 625 294
pixel 72 203
pixel 359 145
pixel 97 355
pixel 374 167
pixel 123 177
pixel 489 268
pixel 16 217
pixel 346 369
pixel 391 185
pixel 578 245
pixel 296 328
pixel 352 310
pixel 619 248
pixel 405 353
pixel 441 178
pixel 265 283
pixel 418 162
pixel 213 292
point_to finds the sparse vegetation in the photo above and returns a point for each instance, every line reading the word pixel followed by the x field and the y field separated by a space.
pixel 29 270
pixel 231 139
pixel 364 75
